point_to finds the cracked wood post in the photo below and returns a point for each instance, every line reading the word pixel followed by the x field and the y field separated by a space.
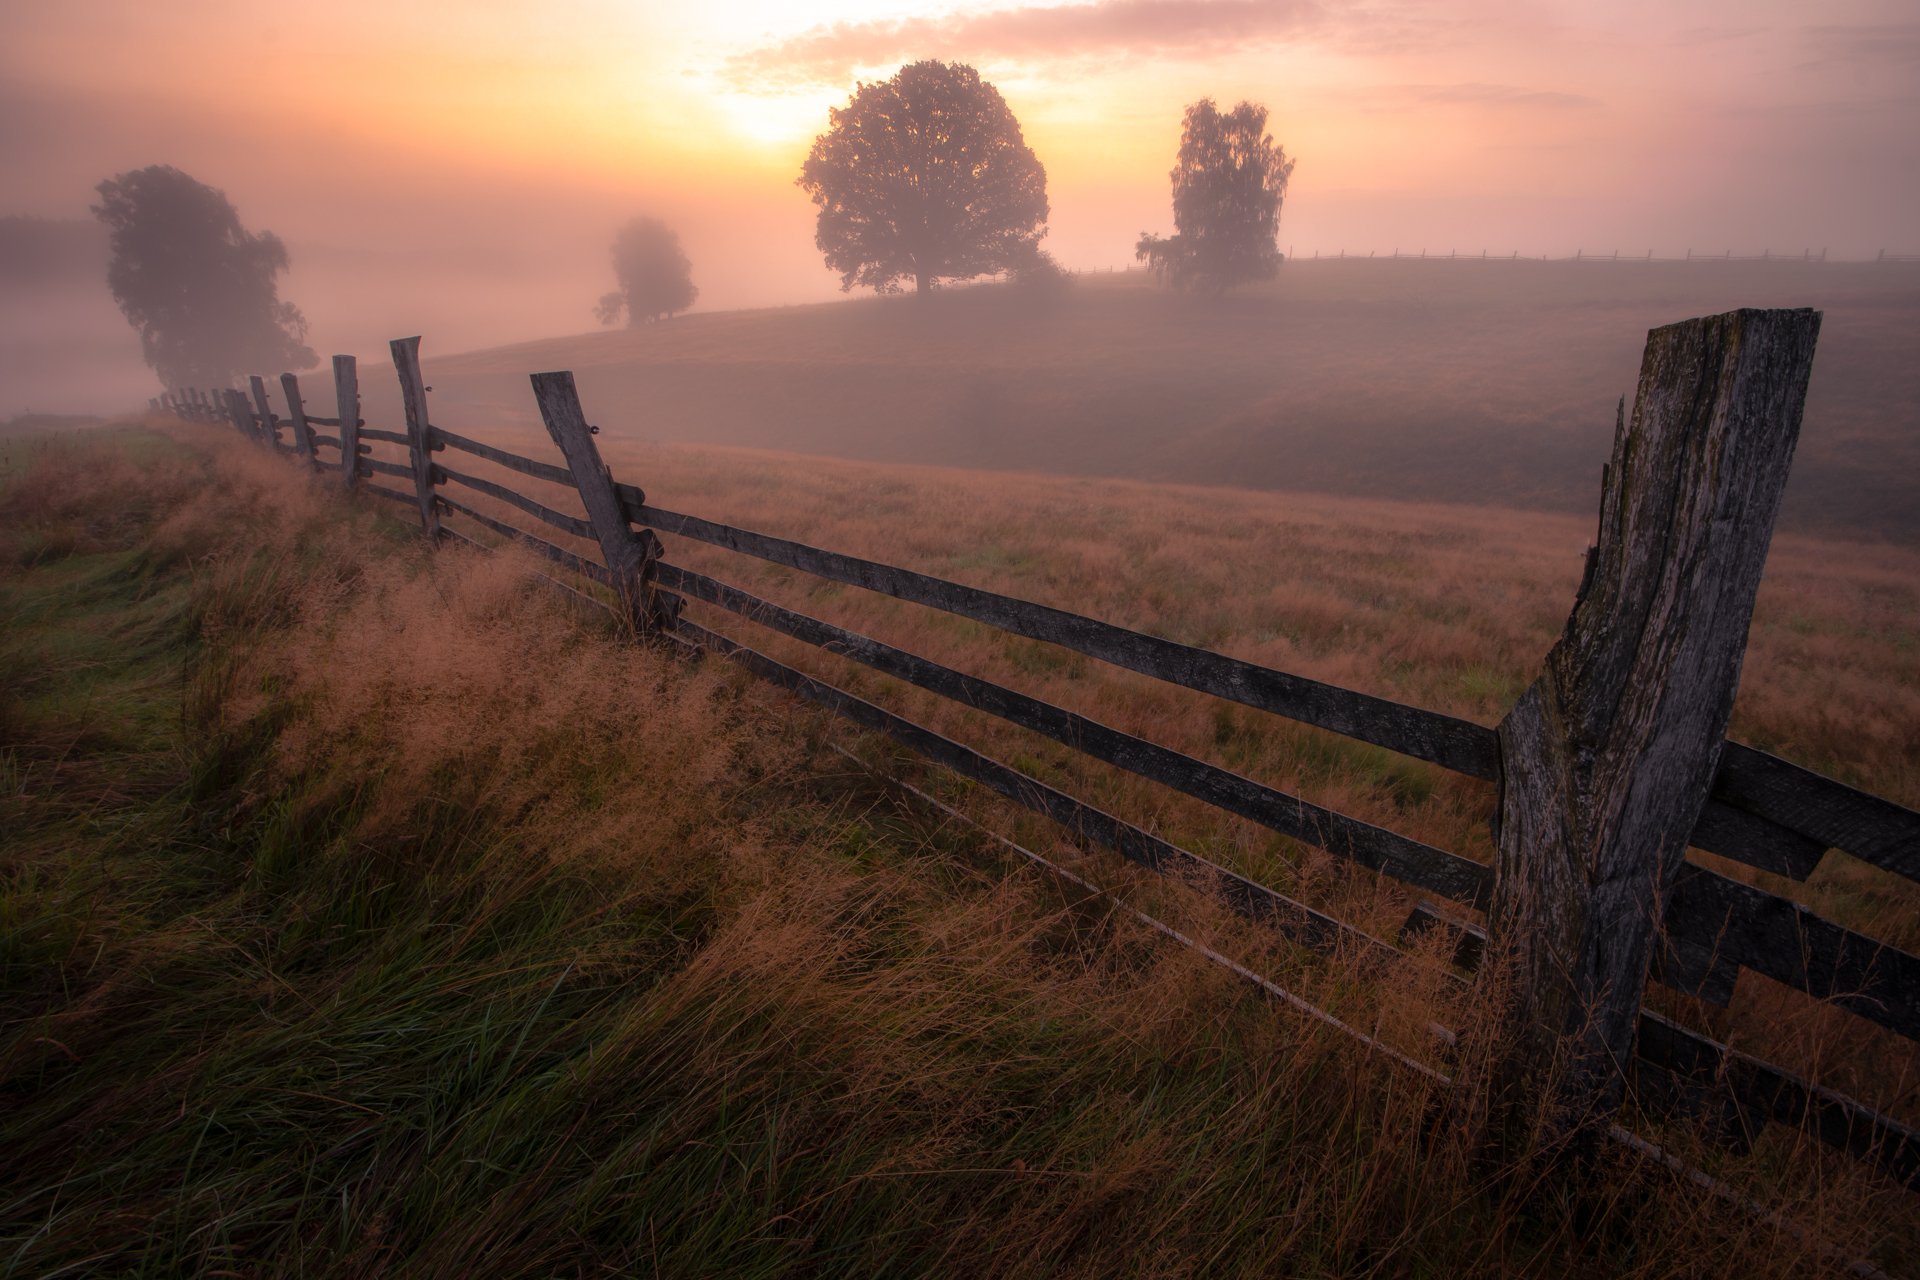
pixel 269 429
pixel 630 555
pixel 346 396
pixel 297 417
pixel 1607 759
pixel 413 392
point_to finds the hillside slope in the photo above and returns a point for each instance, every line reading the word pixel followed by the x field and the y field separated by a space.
pixel 367 914
pixel 1483 382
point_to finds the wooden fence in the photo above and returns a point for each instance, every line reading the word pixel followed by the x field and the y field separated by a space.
pixel 1609 766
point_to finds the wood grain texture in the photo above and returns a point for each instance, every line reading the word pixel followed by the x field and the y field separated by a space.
pixel 413 396
pixel 1831 813
pixel 1607 760
pixel 630 557
pixel 297 418
pixel 1758 841
pixel 346 399
pixel 1376 848
pixel 1247 897
pixel 385 437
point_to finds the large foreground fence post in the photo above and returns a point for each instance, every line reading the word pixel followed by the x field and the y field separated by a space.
pixel 346 395
pixel 631 557
pixel 413 392
pixel 1606 761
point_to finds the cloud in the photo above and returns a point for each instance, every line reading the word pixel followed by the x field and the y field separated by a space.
pixel 1408 97
pixel 834 54
pixel 1895 43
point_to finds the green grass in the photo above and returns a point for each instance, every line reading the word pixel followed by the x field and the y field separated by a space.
pixel 340 942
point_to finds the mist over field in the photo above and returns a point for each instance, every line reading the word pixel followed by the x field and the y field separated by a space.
pixel 1455 381
pixel 1005 638
pixel 1479 382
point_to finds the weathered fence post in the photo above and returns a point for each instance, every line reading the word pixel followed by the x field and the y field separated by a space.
pixel 630 556
pixel 1607 759
pixel 297 417
pixel 269 428
pixel 238 412
pixel 413 392
pixel 346 395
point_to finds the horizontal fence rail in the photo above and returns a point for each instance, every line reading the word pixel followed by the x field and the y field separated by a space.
pixel 1441 739
pixel 1763 811
pixel 1406 860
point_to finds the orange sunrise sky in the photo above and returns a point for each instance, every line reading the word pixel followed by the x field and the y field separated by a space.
pixel 458 169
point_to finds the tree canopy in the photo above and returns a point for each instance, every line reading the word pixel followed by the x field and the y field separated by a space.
pixel 198 286
pixel 925 177
pixel 1228 183
pixel 655 278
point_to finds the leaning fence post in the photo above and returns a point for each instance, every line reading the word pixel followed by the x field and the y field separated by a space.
pixel 297 418
pixel 238 413
pixel 1606 761
pixel 630 556
pixel 269 426
pixel 346 395
pixel 413 392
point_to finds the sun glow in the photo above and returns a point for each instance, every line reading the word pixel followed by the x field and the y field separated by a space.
pixel 786 122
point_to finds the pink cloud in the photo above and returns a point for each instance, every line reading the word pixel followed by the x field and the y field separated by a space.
pixel 833 54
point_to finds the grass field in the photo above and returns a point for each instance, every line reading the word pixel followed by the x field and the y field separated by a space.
pixel 365 913
pixel 1448 607
pixel 1490 383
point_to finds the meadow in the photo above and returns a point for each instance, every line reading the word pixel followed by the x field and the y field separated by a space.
pixel 1467 381
pixel 368 912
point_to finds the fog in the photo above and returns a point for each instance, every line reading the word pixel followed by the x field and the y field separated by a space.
pixel 459 172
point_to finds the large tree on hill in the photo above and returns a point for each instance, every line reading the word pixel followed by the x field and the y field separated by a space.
pixel 198 286
pixel 655 278
pixel 1228 183
pixel 925 177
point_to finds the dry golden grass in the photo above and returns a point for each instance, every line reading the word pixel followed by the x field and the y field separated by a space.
pixel 476 941
pixel 1446 607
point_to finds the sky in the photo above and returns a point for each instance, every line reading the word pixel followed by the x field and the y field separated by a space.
pixel 457 169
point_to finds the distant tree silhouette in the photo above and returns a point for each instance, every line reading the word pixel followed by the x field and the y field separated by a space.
pixel 1227 186
pixel 925 177
pixel 655 278
pixel 198 286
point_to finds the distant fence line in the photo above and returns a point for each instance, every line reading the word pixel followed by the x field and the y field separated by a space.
pixel 1538 902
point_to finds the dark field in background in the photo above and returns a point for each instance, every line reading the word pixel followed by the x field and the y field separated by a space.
pixel 1481 382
